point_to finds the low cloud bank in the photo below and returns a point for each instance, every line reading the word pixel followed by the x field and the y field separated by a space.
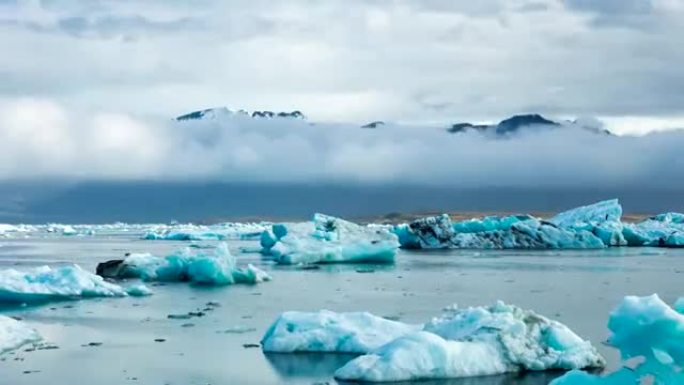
pixel 40 139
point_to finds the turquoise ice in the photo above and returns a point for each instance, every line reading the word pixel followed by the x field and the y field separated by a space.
pixel 650 337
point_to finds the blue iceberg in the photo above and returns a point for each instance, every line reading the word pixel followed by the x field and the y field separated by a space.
pixel 329 240
pixel 217 268
pixel 587 227
pixel 663 230
pixel 650 337
pixel 45 284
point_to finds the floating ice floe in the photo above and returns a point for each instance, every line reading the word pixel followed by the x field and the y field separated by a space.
pixel 217 268
pixel 222 231
pixel 327 331
pixel 45 283
pixel 461 343
pixel 329 240
pixel 650 337
pixel 587 227
pixel 15 334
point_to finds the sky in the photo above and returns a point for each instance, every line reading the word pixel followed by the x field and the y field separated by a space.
pixel 352 60
pixel 88 88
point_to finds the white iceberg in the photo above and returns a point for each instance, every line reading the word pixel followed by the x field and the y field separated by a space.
pixel 473 342
pixel 650 337
pixel 327 331
pixel 217 268
pixel 219 232
pixel 329 240
pixel 461 343
pixel 14 334
pixel 45 283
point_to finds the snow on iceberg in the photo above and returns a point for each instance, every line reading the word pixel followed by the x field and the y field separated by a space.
pixel 14 334
pixel 476 341
pixel 650 337
pixel 329 240
pixel 587 227
pixel 327 331
pixel 217 268
pixel 45 283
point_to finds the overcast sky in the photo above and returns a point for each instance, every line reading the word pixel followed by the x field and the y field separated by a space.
pixel 352 60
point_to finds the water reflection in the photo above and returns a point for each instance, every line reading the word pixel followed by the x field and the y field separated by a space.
pixel 307 365
pixel 314 366
pixel 530 378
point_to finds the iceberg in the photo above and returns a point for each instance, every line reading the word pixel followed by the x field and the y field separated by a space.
pixel 327 331
pixel 650 337
pixel 14 334
pixel 217 268
pixel 476 341
pixel 329 240
pixel 45 284
pixel 587 227
pixel 465 342
pixel 219 232
pixel 663 230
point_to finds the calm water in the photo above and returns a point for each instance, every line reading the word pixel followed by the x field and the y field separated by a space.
pixel 578 288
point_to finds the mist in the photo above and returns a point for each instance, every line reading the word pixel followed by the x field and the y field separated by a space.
pixel 42 139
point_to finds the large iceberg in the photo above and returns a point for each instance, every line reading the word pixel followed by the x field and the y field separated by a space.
pixel 587 227
pixel 476 341
pixel 329 240
pixel 216 268
pixel 45 283
pixel 650 337
pixel 14 334
pixel 465 342
pixel 327 331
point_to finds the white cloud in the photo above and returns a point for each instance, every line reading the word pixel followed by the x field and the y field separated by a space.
pixel 349 60
pixel 40 138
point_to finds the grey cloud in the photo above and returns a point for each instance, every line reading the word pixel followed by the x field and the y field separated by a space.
pixel 347 60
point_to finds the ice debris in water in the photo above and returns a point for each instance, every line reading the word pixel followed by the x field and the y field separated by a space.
pixel 15 334
pixel 221 231
pixel 45 283
pixel 329 240
pixel 650 337
pixel 216 268
pixel 588 227
pixel 327 331
pixel 461 343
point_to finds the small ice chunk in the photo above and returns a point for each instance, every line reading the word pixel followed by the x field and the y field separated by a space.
pixel 327 331
pixel 139 290
pixel 46 283
pixel 15 334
